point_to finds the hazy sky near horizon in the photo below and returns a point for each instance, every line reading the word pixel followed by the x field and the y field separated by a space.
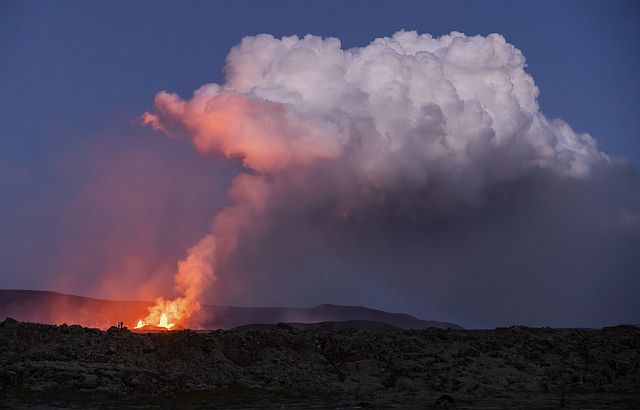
pixel 93 203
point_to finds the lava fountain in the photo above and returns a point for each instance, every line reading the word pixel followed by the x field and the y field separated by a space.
pixel 195 273
pixel 164 322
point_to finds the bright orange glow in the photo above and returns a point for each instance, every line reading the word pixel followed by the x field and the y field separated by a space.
pixel 164 322
pixel 165 314
pixel 194 274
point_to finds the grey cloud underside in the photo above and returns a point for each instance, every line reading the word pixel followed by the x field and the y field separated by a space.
pixel 543 251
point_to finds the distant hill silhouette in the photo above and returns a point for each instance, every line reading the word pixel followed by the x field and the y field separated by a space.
pixel 365 325
pixel 57 308
pixel 232 316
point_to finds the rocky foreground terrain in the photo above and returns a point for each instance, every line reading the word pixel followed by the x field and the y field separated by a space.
pixel 45 366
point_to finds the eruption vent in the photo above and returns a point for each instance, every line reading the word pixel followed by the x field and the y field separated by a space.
pixel 448 117
pixel 195 273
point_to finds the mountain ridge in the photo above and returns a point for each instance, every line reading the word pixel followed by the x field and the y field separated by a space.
pixel 56 308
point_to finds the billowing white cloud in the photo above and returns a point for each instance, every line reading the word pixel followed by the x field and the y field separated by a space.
pixel 400 109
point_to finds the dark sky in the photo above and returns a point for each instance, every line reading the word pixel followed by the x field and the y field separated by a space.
pixel 86 192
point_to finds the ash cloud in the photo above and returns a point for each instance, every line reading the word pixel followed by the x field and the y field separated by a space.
pixel 416 173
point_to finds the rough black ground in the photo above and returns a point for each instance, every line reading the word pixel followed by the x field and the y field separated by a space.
pixel 44 366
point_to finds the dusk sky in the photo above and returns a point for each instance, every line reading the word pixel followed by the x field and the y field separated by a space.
pixel 418 173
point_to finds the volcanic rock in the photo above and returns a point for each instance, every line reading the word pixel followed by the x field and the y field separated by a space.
pixel 322 367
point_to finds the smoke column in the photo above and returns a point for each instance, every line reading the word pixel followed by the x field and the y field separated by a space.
pixel 419 124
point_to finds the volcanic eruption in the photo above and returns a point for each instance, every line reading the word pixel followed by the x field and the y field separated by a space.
pixel 417 123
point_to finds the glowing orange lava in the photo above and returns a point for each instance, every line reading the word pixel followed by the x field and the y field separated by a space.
pixel 164 314
pixel 164 322
pixel 194 274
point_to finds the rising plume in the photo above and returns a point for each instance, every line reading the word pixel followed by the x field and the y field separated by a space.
pixel 440 135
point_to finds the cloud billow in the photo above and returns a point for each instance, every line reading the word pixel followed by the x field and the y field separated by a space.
pixel 436 145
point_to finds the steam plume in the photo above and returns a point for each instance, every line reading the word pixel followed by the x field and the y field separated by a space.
pixel 412 123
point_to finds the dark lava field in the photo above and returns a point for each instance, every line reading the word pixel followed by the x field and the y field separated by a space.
pixel 50 367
